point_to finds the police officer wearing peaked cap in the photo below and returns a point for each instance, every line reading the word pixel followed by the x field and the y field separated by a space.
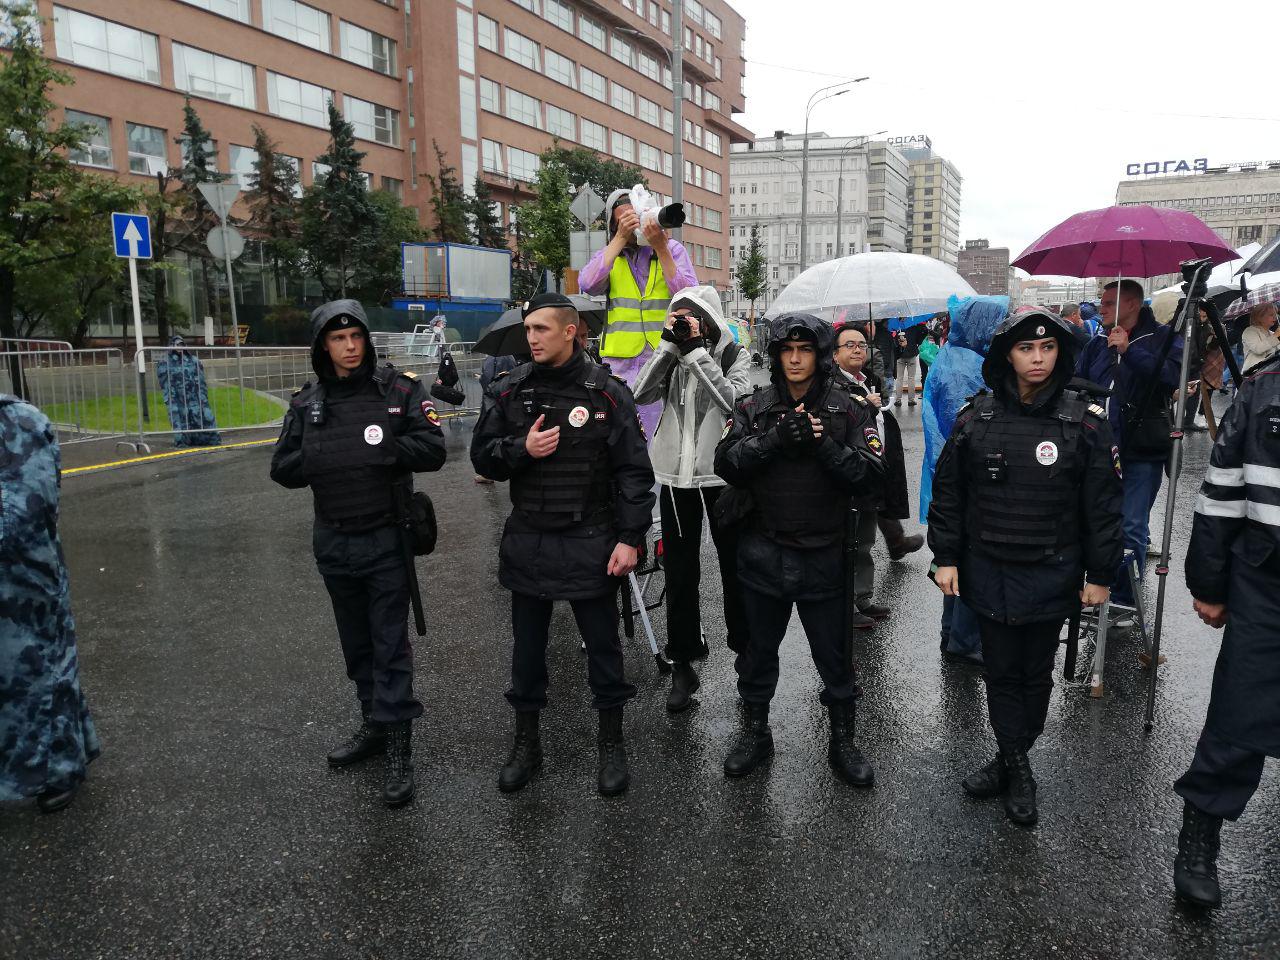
pixel 802 447
pixel 356 436
pixel 566 434
pixel 1026 506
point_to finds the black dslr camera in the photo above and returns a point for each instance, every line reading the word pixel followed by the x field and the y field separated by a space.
pixel 680 329
pixel 671 216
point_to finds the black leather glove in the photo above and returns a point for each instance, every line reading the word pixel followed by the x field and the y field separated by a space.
pixel 794 431
pixel 693 343
pixel 669 335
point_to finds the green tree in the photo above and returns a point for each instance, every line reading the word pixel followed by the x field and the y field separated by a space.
pixel 751 271
pixel 337 211
pixel 274 208
pixel 449 202
pixel 164 206
pixel 548 219
pixel 190 218
pixel 486 224
pixel 587 167
pixel 377 276
pixel 525 272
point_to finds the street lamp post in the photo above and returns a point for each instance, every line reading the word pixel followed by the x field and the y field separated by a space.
pixel 820 95
pixel 856 141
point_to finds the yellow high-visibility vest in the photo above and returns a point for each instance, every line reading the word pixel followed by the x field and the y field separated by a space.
pixel 634 318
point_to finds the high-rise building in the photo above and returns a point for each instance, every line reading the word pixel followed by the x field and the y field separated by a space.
pixel 985 267
pixel 933 201
pixel 492 82
pixel 1241 202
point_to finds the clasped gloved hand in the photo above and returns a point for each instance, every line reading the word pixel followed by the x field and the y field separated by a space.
pixel 795 431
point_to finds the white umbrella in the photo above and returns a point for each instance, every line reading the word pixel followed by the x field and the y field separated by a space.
pixel 872 286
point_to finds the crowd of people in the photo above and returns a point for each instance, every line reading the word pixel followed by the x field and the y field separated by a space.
pixel 1046 437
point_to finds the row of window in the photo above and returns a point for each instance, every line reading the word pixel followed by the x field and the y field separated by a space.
pixel 149 154
pixel 102 45
pixel 312 27
pixel 702 137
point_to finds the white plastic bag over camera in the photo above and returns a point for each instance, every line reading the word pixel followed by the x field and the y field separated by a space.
pixel 646 207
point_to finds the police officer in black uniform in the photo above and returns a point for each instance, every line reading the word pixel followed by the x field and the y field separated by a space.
pixel 1233 573
pixel 356 436
pixel 1026 505
pixel 799 448
pixel 566 434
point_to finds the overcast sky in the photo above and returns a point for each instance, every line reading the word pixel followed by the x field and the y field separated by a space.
pixel 1040 106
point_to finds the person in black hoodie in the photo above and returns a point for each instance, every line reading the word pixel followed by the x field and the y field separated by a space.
pixel 800 448
pixel 356 436
pixel 1026 506
pixel 567 436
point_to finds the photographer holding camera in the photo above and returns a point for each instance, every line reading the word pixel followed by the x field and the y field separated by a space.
pixel 639 281
pixel 697 371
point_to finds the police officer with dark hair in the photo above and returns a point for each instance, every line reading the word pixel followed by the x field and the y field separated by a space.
pixel 356 436
pixel 1026 506
pixel 566 434
pixel 801 447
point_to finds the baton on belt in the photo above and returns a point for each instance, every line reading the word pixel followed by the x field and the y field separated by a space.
pixel 405 522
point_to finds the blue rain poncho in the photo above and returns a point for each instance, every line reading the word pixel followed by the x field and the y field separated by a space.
pixel 955 376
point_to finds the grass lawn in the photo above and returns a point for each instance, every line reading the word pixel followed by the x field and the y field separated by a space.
pixel 103 414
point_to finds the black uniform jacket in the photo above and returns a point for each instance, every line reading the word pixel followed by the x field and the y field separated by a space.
pixel 555 557
pixel 777 565
pixel 1028 586
pixel 894 500
pixel 1234 558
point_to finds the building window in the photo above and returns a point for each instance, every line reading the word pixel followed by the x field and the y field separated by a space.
pixel 650 113
pixel 491 156
pixel 372 121
pixel 298 100
pixel 490 96
pixel 648 66
pixel 147 149
pixel 713 24
pixel 523 108
pixel 621 51
pixel 524 165
pixel 103 45
pixel 209 75
pixel 590 31
pixel 718 66
pixel 713 258
pixel 559 69
pixel 711 141
pixel 467 118
pixel 297 22
pixel 394 187
pixel 668 121
pixel 650 157
pixel 712 102
pixel 622 99
pixel 95 149
pixel 712 221
pixel 241 169
pixel 560 14
pixel 593 135
pixel 592 84
pixel 487 32
pixel 319 171
pixel 370 49
pixel 235 9
pixel 561 123
pixel 666 163
pixel 712 182
pixel 211 152
pixel 466 41
pixel 624 148
pixel 666 22
pixel 521 49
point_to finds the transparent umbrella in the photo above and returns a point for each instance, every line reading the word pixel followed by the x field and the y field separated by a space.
pixel 872 286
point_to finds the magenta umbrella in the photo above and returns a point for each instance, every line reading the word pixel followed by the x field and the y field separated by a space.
pixel 1137 241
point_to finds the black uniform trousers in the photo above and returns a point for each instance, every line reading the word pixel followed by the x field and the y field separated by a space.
pixel 824 625
pixel 1222 778
pixel 1018 662
pixel 598 622
pixel 368 582
pixel 682 517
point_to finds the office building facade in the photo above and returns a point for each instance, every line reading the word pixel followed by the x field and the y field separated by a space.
pixel 985 267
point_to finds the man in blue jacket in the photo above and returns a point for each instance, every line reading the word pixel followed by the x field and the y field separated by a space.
pixel 1127 360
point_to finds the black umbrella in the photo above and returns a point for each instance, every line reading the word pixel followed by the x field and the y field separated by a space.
pixel 1265 260
pixel 505 336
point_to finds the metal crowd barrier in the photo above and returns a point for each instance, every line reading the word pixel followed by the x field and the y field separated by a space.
pixel 85 393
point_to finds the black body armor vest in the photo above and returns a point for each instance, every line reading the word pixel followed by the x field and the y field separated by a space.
pixel 349 459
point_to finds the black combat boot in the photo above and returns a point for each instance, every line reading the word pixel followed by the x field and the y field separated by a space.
pixel 397 784
pixel 1195 871
pixel 1020 800
pixel 55 799
pixel 755 741
pixel 845 757
pixel 614 777
pixel 989 780
pixel 526 753
pixel 684 684
pixel 896 539
pixel 369 741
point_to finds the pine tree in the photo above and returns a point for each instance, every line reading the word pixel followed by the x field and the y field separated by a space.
pixel 549 220
pixel 195 218
pixel 337 212
pixel 751 271
pixel 486 223
pixel 274 208
pixel 449 202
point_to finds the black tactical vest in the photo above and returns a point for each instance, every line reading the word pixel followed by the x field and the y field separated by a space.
pixel 576 481
pixel 1023 476
pixel 349 459
pixel 795 496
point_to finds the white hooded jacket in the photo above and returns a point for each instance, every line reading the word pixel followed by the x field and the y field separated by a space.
pixel 697 399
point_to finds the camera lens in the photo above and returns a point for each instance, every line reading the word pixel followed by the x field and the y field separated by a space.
pixel 671 216
pixel 680 329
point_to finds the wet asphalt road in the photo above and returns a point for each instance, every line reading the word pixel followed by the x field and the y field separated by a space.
pixel 211 826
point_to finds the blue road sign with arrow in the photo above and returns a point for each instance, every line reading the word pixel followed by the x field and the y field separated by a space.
pixel 132 235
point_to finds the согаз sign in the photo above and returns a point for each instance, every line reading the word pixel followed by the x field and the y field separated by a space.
pixel 1166 166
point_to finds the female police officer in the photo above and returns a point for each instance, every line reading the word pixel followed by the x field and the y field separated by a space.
pixel 1026 503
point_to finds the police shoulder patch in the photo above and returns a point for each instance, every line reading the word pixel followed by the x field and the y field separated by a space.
pixel 728 426
pixel 409 373
pixel 873 440
pixel 1098 411
pixel 858 398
